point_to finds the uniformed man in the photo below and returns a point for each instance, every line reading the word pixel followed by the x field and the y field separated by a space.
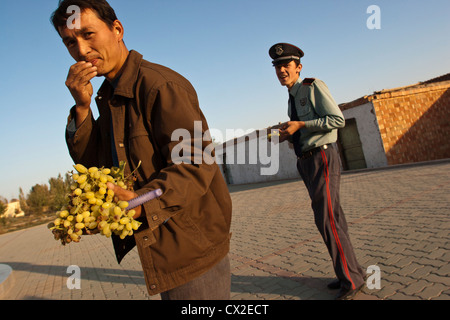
pixel 315 120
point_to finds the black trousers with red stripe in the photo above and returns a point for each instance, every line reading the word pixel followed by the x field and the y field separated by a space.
pixel 321 173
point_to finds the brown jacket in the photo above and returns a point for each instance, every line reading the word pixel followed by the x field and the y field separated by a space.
pixel 186 230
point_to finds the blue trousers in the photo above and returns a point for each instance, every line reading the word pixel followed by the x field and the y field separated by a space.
pixel 321 174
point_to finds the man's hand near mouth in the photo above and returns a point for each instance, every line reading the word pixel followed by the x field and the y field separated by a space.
pixel 78 82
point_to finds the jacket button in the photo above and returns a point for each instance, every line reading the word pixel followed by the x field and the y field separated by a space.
pixel 155 217
pixel 153 287
pixel 145 238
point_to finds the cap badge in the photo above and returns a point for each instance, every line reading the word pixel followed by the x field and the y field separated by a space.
pixel 279 50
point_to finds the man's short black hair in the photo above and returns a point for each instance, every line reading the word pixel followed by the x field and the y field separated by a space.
pixel 101 7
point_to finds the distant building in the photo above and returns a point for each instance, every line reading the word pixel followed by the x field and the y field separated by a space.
pixel 393 126
pixel 13 210
pixel 397 126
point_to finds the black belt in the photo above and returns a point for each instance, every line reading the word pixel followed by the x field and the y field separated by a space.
pixel 309 153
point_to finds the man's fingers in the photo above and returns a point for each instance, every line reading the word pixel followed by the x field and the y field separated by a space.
pixel 120 193
pixel 82 77
pixel 111 186
pixel 81 73
pixel 78 82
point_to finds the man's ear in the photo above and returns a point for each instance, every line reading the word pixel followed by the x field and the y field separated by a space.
pixel 299 68
pixel 118 30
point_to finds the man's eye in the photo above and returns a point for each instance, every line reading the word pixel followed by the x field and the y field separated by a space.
pixel 88 34
pixel 70 43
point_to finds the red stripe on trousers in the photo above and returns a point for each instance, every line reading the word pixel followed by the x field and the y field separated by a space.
pixel 331 217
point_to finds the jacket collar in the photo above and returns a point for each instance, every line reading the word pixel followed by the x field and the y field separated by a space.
pixel 295 87
pixel 125 81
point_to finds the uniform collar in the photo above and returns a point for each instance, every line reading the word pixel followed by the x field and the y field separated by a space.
pixel 293 91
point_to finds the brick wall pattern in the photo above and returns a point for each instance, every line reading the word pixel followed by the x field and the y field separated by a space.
pixel 414 122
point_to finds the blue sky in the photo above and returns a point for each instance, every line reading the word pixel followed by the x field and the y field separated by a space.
pixel 222 48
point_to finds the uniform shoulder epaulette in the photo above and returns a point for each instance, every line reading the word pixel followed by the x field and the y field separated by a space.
pixel 308 81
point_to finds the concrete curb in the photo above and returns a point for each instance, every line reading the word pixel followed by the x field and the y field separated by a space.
pixel 6 279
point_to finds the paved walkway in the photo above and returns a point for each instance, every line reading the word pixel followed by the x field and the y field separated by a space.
pixel 399 221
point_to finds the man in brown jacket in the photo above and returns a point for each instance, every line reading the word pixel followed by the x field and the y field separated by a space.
pixel 183 242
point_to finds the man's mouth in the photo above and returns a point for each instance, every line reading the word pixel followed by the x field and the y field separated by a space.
pixel 93 61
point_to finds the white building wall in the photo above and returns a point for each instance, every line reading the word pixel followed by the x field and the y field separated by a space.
pixel 369 133
pixel 254 160
pixel 252 163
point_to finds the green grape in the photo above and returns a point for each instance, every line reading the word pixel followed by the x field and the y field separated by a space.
pixel 131 214
pixel 106 205
pixel 117 211
pixel 92 225
pixel 80 168
pixel 114 226
pixel 106 228
pixel 79 225
pixel 82 179
pixel 123 234
pixel 93 170
pixel 64 214
pixel 135 224
pixel 123 204
pixel 124 220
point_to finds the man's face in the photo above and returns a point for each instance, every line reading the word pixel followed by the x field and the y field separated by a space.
pixel 288 73
pixel 96 43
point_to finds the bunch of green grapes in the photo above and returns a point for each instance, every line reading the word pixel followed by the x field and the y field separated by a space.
pixel 91 207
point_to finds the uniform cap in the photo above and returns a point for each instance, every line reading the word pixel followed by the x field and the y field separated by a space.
pixel 284 53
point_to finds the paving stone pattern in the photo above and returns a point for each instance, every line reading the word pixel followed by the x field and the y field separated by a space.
pixel 399 220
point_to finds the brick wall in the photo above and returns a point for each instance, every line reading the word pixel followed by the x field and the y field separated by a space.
pixel 414 122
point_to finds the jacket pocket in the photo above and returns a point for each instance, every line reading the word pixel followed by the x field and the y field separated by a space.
pixel 304 109
pixel 179 243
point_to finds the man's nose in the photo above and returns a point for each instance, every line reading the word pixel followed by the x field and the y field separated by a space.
pixel 281 69
pixel 83 50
